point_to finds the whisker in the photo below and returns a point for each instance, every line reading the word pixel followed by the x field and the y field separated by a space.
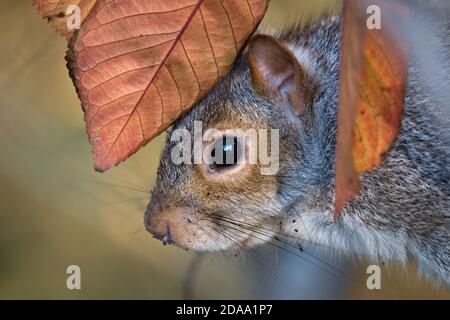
pixel 132 184
pixel 129 216
pixel 125 201
pixel 261 261
pixel 269 239
pixel 120 186
pixel 138 231
pixel 250 255
pixel 257 230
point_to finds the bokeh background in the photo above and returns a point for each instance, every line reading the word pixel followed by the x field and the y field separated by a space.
pixel 55 211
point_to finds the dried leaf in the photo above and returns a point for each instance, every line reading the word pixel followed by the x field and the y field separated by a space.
pixel 374 66
pixel 138 65
pixel 56 13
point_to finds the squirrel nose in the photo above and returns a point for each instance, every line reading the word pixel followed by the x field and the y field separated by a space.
pixel 158 228
pixel 164 236
pixel 175 225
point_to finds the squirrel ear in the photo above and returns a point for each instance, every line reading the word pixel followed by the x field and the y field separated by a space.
pixel 276 73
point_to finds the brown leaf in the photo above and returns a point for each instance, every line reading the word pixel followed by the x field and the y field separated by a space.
pixel 373 81
pixel 137 65
pixel 55 11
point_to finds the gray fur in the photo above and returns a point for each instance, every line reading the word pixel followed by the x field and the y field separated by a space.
pixel 403 208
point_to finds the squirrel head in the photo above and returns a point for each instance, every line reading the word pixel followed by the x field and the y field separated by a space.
pixel 229 186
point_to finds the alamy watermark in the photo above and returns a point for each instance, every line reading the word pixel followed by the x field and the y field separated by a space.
pixel 73 13
pixel 374 279
pixel 227 147
pixel 374 20
pixel 73 281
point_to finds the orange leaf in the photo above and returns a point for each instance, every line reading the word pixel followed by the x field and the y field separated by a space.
pixel 55 11
pixel 138 65
pixel 374 67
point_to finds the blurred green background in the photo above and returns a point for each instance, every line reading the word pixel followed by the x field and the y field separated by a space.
pixel 56 211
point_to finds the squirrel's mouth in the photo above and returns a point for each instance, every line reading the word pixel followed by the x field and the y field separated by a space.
pixel 186 228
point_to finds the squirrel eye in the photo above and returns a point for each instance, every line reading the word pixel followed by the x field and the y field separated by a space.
pixel 226 153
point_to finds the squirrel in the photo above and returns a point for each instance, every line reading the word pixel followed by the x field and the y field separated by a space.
pixel 290 82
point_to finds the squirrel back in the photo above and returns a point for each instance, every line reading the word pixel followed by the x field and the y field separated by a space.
pixel 403 208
